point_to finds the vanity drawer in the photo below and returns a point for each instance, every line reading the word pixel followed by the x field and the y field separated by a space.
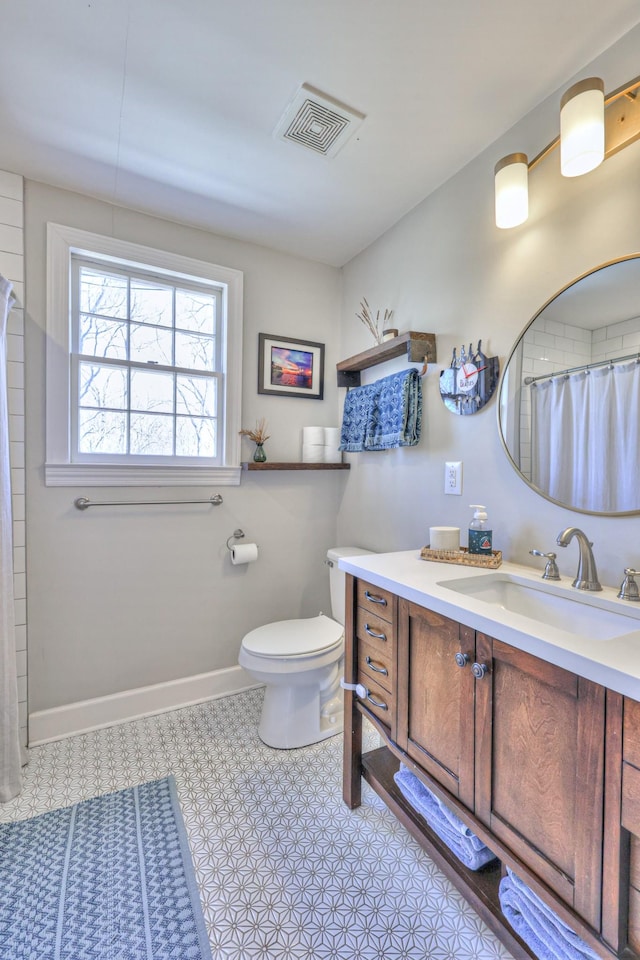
pixel 372 629
pixel 375 663
pixel 378 700
pixel 375 600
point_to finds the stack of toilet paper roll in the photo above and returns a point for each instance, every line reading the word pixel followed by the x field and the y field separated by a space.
pixel 320 445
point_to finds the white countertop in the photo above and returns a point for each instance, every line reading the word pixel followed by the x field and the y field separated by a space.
pixel 614 662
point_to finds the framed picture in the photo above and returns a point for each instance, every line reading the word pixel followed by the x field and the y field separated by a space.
pixel 290 368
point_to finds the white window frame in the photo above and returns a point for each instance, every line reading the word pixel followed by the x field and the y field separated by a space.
pixel 60 469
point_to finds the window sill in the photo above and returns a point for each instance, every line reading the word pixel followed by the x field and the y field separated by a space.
pixel 130 475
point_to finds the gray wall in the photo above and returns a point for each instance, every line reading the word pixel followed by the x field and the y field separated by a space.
pixel 122 598
pixel 447 269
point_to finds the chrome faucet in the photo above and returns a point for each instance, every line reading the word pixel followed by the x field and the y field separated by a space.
pixel 587 575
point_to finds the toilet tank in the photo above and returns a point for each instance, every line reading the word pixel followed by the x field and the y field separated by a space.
pixel 337 578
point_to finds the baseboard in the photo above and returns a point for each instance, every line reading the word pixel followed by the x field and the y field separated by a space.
pixel 86 715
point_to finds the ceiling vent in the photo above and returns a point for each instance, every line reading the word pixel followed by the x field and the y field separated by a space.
pixel 318 122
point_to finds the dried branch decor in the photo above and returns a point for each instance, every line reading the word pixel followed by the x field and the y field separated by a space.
pixel 373 326
pixel 259 433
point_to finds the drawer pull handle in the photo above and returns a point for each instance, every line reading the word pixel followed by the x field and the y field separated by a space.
pixel 374 599
pixel 462 659
pixel 372 633
pixel 380 704
pixel 383 670
pixel 479 670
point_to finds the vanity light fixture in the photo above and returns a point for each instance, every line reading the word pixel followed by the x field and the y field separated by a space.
pixel 582 127
pixel 512 190
pixel 592 127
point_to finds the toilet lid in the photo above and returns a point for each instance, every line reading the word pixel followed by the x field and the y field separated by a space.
pixel 290 638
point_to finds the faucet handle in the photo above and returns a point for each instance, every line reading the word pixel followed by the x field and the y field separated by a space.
pixel 551 571
pixel 629 588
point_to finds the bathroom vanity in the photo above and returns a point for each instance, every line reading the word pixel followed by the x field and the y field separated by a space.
pixel 517 702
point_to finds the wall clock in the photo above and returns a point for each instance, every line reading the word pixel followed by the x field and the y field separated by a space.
pixel 470 381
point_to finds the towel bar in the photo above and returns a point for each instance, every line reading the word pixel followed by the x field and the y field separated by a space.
pixel 83 503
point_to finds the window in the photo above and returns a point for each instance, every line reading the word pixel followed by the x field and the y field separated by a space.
pixel 146 387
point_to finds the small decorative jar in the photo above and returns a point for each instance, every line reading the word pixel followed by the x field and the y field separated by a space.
pixel 390 334
pixel 259 455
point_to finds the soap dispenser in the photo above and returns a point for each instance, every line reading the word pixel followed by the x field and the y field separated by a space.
pixel 480 535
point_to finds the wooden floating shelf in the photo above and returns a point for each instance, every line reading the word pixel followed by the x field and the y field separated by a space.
pixel 269 465
pixel 415 345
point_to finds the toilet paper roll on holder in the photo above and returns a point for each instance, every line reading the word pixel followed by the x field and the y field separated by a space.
pixel 236 535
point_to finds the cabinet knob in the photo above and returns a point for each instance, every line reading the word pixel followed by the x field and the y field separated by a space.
pixel 479 670
pixel 462 659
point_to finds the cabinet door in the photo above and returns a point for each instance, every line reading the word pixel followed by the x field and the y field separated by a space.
pixel 539 769
pixel 435 697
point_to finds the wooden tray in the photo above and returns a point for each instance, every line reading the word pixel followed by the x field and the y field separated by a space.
pixel 462 556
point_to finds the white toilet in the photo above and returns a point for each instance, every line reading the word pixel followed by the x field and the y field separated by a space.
pixel 300 661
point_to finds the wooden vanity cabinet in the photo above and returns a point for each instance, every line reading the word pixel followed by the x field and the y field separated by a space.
pixel 540 769
pixel 375 628
pixel 521 745
pixel 621 893
pixel 514 744
pixel 436 697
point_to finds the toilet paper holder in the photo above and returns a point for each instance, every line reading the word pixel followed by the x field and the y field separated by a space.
pixel 236 535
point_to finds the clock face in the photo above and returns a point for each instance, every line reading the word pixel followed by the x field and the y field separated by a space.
pixel 467 378
pixel 465 389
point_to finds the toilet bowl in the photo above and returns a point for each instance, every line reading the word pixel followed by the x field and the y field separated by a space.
pixel 300 663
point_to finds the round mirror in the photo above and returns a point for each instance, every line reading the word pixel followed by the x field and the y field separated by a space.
pixel 569 403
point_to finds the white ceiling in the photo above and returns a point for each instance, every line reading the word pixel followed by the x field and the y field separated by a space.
pixel 169 106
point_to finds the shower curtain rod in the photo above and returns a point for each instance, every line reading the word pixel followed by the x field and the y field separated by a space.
pixel 584 366
pixel 83 503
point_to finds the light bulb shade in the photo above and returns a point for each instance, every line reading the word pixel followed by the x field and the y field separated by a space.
pixel 582 127
pixel 512 190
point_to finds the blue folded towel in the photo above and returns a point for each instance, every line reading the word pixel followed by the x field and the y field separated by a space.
pixel 536 923
pixel 355 417
pixel 384 414
pixel 443 821
pixel 396 412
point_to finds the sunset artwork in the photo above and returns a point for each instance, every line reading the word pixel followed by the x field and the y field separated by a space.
pixel 291 368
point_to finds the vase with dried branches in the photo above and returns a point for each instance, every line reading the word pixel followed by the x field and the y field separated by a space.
pixel 259 436
pixel 374 327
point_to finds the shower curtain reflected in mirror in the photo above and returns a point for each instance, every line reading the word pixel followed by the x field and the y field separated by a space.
pixel 585 437
pixel 10 761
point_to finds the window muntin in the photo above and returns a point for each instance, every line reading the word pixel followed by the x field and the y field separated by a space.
pixel 146 377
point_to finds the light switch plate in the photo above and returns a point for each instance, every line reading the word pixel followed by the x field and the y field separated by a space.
pixel 453 477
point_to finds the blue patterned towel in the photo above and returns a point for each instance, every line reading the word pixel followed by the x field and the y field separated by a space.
pixel 384 414
pixel 110 878
pixel 396 412
pixel 458 837
pixel 355 418
pixel 540 928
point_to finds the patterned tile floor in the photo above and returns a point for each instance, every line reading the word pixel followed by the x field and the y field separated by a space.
pixel 286 871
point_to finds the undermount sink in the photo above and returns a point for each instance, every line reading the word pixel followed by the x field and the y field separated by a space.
pixel 582 614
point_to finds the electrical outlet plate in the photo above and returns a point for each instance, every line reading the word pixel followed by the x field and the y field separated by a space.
pixel 453 477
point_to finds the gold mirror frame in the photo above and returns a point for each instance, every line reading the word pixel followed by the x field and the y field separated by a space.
pixel 504 401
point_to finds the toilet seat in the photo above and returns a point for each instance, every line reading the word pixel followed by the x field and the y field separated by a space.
pixel 294 638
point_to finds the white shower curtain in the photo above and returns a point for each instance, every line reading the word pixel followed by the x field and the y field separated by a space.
pixel 10 761
pixel 585 438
